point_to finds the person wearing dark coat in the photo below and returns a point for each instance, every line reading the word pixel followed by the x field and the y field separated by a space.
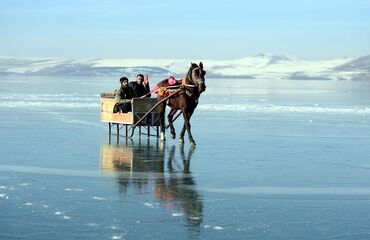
pixel 123 97
pixel 140 87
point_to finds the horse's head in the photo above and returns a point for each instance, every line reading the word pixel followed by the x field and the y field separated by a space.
pixel 197 75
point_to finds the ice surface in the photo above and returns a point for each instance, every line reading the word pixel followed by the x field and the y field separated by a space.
pixel 274 160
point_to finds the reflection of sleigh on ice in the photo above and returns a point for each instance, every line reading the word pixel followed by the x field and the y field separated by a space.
pixel 144 115
pixel 125 158
pixel 155 170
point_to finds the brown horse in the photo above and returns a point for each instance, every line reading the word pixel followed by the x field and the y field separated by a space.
pixel 192 85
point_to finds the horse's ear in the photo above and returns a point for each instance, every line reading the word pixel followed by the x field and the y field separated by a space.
pixel 201 65
pixel 194 65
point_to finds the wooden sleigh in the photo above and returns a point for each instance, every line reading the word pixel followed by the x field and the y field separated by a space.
pixel 143 116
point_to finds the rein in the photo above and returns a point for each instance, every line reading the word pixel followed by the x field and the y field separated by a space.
pixel 188 76
pixel 178 86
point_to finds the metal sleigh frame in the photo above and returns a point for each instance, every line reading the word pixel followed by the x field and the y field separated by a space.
pixel 129 129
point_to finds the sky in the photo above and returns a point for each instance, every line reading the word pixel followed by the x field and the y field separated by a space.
pixel 208 29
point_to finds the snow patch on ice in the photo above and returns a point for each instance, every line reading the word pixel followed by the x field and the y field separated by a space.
pixel 150 205
pixel 24 184
pixel 116 237
pixel 4 196
pixel 73 189
pixel 99 198
pixel 92 224
pixel 177 214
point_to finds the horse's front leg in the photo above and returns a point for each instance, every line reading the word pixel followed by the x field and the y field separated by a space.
pixel 162 122
pixel 187 126
pixel 170 122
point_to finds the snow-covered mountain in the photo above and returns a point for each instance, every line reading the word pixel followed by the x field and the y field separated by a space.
pixel 266 66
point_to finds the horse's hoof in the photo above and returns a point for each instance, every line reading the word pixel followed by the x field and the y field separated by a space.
pixel 163 137
pixel 173 135
pixel 181 140
pixel 192 143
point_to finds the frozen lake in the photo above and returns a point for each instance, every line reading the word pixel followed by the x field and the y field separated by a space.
pixel 275 159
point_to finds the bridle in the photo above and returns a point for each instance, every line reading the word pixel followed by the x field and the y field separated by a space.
pixel 190 77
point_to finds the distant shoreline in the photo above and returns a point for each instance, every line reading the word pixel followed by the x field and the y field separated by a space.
pixel 262 66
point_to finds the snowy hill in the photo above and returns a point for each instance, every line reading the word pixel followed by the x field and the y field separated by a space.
pixel 266 66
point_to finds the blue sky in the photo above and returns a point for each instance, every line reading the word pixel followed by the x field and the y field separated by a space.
pixel 315 29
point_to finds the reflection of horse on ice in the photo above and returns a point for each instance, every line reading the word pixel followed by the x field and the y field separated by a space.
pixel 182 95
pixel 173 192
pixel 143 168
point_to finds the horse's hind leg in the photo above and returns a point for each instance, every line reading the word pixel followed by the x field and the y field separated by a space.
pixel 170 122
pixel 181 138
pixel 162 122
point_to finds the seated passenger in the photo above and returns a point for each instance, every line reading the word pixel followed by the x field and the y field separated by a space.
pixel 123 97
pixel 140 87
